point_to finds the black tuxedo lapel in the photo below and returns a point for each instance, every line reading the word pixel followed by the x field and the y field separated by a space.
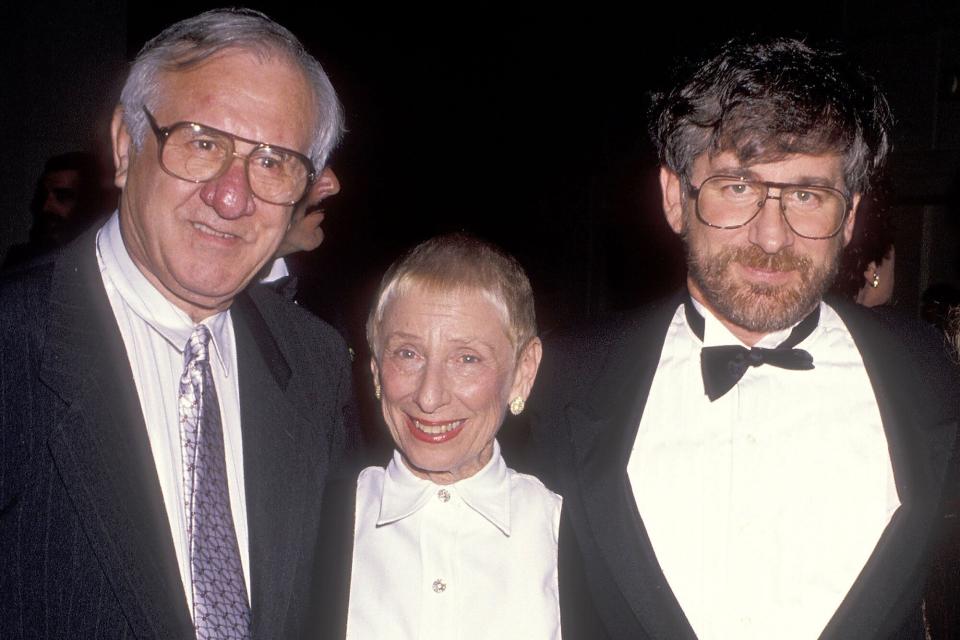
pixel 102 451
pixel 282 483
pixel 891 580
pixel 602 431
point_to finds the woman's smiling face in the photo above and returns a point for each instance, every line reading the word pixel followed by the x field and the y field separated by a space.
pixel 448 370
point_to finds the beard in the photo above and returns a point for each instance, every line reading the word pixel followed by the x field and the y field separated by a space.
pixel 760 307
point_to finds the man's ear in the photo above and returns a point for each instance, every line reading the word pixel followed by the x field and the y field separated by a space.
pixel 672 192
pixel 121 147
pixel 849 223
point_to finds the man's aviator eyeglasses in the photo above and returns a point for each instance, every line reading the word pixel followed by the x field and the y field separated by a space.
pixel 731 202
pixel 198 153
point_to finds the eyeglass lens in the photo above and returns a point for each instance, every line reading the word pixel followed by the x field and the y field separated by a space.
pixel 810 211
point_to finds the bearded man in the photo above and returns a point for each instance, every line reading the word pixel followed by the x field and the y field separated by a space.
pixel 746 460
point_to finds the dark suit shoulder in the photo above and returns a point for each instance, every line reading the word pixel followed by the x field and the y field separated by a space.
pixel 930 347
pixel 915 334
pixel 595 365
pixel 24 295
pixel 24 316
pixel 575 357
pixel 304 335
pixel 919 354
pixel 318 362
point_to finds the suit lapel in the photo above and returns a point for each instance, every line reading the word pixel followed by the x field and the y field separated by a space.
pixel 602 430
pixel 282 475
pixel 891 578
pixel 102 451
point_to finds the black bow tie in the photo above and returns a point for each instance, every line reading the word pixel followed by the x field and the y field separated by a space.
pixel 723 366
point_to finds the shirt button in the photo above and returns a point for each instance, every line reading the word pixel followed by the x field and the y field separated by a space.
pixel 444 495
pixel 439 586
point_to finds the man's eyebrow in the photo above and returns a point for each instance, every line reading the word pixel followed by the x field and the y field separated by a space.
pixel 737 171
pixel 734 171
pixel 817 181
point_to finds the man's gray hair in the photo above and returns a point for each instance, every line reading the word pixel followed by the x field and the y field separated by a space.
pixel 192 41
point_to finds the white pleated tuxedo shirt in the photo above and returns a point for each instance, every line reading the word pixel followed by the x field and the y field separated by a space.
pixel 466 561
pixel 155 333
pixel 764 505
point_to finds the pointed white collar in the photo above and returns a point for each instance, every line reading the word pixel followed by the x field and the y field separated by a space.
pixel 487 492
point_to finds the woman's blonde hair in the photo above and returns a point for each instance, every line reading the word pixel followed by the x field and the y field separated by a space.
pixel 459 262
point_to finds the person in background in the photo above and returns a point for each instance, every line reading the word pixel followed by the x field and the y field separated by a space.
pixel 68 199
pixel 305 233
pixel 866 273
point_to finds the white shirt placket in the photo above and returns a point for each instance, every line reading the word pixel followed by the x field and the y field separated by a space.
pixel 441 590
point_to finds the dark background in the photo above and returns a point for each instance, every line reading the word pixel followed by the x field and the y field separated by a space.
pixel 526 126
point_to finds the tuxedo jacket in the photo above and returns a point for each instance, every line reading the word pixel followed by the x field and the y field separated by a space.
pixel 586 411
pixel 85 544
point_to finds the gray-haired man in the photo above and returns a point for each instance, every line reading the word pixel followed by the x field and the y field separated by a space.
pixel 167 432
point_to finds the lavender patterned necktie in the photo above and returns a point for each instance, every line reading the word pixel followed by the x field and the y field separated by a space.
pixel 220 606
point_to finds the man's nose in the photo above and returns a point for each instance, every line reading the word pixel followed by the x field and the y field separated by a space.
pixel 769 230
pixel 230 194
pixel 51 204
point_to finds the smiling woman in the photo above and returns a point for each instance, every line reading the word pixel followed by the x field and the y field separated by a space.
pixel 448 541
pixel 448 370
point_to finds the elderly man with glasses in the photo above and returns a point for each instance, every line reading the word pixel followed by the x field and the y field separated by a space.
pixel 166 430
pixel 746 460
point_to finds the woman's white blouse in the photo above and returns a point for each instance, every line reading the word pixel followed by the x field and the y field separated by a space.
pixel 474 559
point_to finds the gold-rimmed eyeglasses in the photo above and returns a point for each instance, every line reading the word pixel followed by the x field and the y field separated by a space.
pixel 197 153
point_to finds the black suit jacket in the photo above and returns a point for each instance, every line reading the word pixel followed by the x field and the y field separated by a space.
pixel 587 407
pixel 85 544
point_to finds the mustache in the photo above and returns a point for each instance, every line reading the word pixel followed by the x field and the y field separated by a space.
pixel 754 257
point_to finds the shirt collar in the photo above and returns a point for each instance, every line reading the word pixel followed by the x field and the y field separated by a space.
pixel 139 294
pixel 487 492
pixel 278 269
pixel 715 333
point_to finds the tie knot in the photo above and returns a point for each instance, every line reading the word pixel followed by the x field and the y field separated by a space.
pixel 741 358
pixel 737 359
pixel 197 345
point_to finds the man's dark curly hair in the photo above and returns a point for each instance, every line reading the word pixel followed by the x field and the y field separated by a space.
pixel 764 99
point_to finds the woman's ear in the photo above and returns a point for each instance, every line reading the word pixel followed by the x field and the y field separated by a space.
pixel 526 372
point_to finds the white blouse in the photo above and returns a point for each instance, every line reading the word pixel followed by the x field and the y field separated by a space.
pixel 470 560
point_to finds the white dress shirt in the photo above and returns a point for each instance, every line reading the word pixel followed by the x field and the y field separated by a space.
pixel 155 333
pixel 764 505
pixel 278 269
pixel 470 560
